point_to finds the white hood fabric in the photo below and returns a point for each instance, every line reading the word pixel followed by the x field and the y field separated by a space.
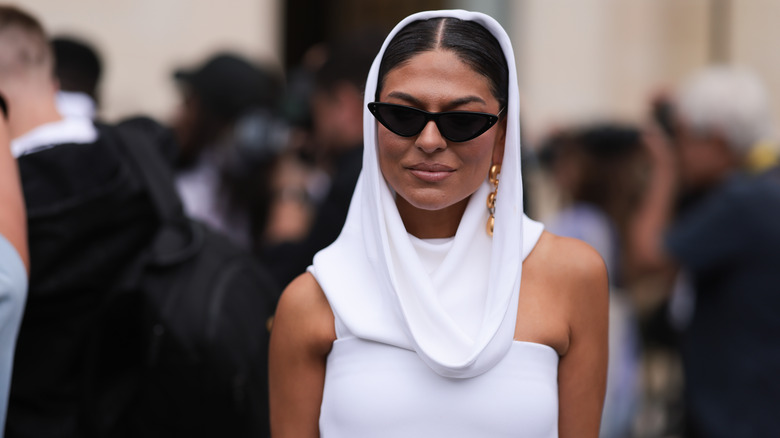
pixel 460 319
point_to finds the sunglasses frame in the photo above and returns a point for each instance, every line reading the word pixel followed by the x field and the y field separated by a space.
pixel 491 119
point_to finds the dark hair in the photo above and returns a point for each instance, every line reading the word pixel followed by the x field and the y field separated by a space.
pixel 229 85
pixel 608 157
pixel 77 65
pixel 609 178
pixel 470 41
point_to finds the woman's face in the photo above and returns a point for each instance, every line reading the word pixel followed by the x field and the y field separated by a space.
pixel 428 171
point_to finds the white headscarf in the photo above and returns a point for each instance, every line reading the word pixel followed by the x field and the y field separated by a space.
pixel 372 275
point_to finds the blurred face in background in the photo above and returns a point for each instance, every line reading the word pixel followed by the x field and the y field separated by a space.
pixel 326 115
pixel 337 116
pixel 704 158
pixel 185 118
pixel 196 128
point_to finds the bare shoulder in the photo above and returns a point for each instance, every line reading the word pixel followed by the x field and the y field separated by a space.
pixel 569 262
pixel 303 313
pixel 563 294
pixel 574 272
pixel 303 294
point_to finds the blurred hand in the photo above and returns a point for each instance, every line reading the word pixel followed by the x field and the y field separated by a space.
pixel 657 145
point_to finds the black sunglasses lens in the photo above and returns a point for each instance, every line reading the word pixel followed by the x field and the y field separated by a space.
pixel 457 126
pixel 462 126
pixel 403 121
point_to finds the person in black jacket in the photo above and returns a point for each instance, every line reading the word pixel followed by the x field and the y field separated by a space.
pixel 138 322
pixel 76 253
pixel 725 237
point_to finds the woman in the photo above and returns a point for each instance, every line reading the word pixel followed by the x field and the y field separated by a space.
pixel 414 322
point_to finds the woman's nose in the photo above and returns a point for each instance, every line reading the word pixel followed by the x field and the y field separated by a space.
pixel 430 140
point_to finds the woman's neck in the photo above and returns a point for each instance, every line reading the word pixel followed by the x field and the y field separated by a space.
pixel 431 224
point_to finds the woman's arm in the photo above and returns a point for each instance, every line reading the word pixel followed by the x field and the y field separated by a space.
pixel 582 370
pixel 301 338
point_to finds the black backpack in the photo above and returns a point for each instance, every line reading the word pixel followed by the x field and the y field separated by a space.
pixel 173 341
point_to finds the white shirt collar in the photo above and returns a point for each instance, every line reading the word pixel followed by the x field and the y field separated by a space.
pixel 79 130
pixel 74 104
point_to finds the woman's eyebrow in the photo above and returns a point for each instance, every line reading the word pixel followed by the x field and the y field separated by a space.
pixel 454 103
pixel 467 99
pixel 405 97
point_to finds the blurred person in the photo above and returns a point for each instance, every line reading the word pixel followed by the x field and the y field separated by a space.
pixel 14 261
pixel 596 167
pixel 229 137
pixel 78 69
pixel 99 351
pixel 726 237
pixel 415 321
pixel 298 183
pixel 53 153
pixel 337 121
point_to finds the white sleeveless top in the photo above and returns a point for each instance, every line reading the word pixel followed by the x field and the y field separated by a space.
pixel 379 390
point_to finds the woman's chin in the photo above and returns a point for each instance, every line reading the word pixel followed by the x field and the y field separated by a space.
pixel 430 200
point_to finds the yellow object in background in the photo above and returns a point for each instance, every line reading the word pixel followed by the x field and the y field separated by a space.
pixel 762 156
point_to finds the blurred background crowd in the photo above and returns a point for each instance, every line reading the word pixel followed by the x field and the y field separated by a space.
pixel 649 133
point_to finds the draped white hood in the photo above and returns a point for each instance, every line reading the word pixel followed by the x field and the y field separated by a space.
pixel 372 275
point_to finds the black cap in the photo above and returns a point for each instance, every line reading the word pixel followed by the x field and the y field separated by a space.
pixel 229 84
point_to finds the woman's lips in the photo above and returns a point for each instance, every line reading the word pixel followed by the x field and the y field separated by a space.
pixel 431 172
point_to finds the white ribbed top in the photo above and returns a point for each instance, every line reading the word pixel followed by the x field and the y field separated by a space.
pixel 375 390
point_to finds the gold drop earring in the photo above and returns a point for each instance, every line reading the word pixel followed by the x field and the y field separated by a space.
pixel 495 169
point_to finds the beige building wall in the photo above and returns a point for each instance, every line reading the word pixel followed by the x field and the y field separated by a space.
pixel 755 42
pixel 584 60
pixel 143 41
pixel 589 60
